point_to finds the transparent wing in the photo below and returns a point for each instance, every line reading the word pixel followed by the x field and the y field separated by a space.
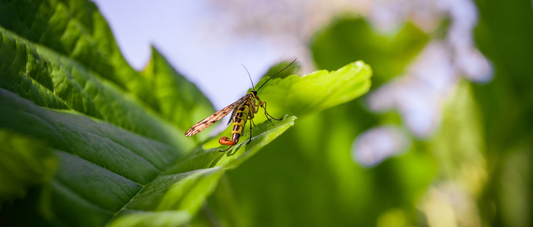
pixel 233 114
pixel 203 124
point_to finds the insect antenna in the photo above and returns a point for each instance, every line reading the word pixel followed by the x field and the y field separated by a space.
pixel 278 73
pixel 253 87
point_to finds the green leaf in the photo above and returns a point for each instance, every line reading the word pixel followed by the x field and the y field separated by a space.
pixel 311 93
pixel 297 176
pixel 506 105
pixel 120 160
pixel 117 134
pixel 24 162
pixel 126 169
pixel 51 80
pixel 172 191
pixel 91 141
pixel 75 29
pixel 143 218
pixel 318 183
pixel 128 161
pixel 349 39
pixel 262 134
pixel 180 101
pixel 316 91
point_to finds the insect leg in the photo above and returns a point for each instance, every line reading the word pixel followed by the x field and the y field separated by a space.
pixel 250 140
pixel 264 105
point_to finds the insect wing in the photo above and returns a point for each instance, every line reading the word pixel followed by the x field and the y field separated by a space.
pixel 203 124
pixel 233 113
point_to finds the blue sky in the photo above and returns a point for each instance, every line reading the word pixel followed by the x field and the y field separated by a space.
pixel 197 40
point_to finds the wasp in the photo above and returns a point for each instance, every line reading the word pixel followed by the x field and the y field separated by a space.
pixel 242 110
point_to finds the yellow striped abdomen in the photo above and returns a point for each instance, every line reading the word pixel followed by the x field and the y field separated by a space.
pixel 241 116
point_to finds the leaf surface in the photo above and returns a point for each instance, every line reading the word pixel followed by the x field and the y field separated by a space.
pixel 23 162
pixel 122 155
pixel 180 101
pixel 316 91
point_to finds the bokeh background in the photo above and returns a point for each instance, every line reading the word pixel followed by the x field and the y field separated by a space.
pixel 444 137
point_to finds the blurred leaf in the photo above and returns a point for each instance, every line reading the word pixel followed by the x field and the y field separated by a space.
pixel 507 107
pixel 23 162
pixel 459 144
pixel 459 151
pixel 514 185
pixel 508 100
pixel 223 201
pixel 180 101
pixel 349 39
pixel 318 183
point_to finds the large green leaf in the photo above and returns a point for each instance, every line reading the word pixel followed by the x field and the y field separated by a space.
pixel 106 171
pixel 54 81
pixel 180 101
pixel 77 30
pixel 115 151
pixel 117 134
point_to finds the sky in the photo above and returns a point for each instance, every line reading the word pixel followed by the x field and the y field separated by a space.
pixel 193 36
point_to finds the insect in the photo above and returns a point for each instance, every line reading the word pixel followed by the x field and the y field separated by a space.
pixel 242 110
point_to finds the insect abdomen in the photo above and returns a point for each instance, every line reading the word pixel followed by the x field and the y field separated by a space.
pixel 238 125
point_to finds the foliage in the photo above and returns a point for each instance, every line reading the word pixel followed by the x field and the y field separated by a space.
pixel 89 141
pixel 93 142
pixel 318 183
pixel 352 38
pixel 482 147
pixel 507 107
pixel 24 162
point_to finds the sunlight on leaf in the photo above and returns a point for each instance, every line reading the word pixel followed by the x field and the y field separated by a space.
pixel 146 218
pixel 316 91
